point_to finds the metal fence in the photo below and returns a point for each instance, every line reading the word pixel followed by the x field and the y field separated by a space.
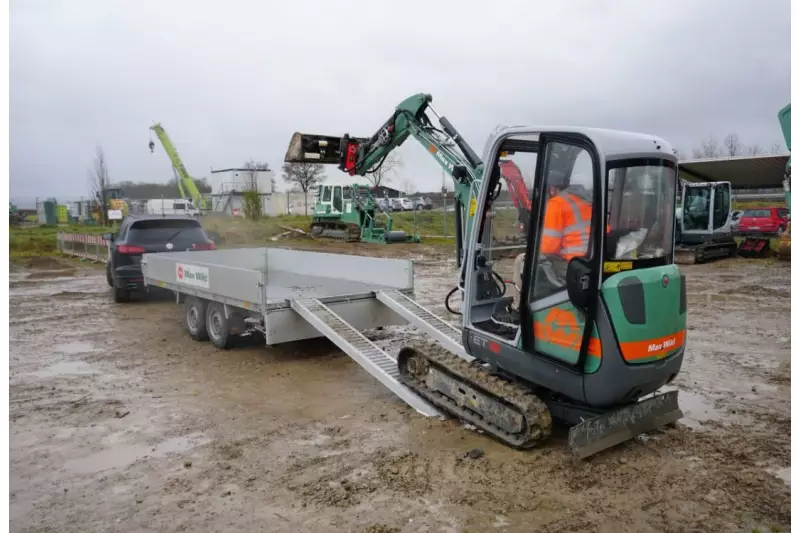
pixel 88 247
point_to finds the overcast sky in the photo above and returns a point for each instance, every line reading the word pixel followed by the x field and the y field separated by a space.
pixel 233 80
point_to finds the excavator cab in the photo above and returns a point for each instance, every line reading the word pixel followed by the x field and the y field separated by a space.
pixel 704 228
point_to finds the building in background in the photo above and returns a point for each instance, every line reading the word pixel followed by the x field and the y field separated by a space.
pixel 229 185
pixel 381 191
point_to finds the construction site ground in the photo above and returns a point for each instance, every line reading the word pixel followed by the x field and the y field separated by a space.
pixel 120 422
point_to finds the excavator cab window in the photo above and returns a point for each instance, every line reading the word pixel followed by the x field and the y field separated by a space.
pixel 326 194
pixel 722 205
pixel 641 207
pixel 696 208
pixel 337 198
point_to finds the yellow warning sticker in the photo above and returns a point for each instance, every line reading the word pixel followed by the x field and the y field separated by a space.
pixel 473 206
pixel 610 267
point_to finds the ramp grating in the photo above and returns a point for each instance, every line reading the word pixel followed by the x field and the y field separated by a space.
pixel 361 350
pixel 442 331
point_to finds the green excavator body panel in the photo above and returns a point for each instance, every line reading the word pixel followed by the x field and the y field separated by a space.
pixel 648 315
pixel 648 311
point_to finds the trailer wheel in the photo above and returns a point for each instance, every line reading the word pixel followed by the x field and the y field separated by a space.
pixel 218 327
pixel 194 313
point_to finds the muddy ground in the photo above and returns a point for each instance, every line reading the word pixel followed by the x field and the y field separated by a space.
pixel 120 422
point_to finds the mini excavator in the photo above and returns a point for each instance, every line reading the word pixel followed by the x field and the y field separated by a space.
pixel 587 341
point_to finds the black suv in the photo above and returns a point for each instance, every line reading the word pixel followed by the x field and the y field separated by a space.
pixel 140 234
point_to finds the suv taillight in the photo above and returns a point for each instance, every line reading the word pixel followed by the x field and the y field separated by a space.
pixel 128 249
pixel 210 246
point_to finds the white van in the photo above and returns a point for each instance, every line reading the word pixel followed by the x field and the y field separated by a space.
pixel 170 206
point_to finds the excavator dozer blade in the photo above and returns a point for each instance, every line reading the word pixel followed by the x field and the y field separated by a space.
pixel 685 256
pixel 309 148
pixel 614 427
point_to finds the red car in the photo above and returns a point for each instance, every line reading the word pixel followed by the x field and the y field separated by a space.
pixel 763 220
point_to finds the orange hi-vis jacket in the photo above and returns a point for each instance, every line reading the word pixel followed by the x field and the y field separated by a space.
pixel 567 221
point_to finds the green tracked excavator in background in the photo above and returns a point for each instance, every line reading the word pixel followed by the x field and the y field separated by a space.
pixel 588 341
pixel 350 213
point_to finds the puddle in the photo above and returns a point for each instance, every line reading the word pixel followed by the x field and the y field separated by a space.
pixel 73 348
pixel 65 368
pixel 696 409
pixel 122 456
pixel 784 474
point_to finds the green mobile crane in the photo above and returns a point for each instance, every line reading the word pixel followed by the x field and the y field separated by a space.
pixel 584 341
pixel 185 182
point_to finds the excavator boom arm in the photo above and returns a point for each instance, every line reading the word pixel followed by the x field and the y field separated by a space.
pixel 361 156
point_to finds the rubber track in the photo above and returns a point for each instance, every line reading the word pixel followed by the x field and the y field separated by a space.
pixel 538 421
pixel 351 234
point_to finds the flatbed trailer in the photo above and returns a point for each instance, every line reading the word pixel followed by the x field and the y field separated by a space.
pixel 289 295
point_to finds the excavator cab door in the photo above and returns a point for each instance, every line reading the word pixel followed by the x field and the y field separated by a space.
pixel 540 296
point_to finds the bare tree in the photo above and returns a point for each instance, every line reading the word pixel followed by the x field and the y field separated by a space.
pixel 710 148
pixel 732 145
pixel 252 192
pixel 679 154
pixel 305 175
pixel 98 182
pixel 776 148
pixel 382 174
pixel 409 187
pixel 755 149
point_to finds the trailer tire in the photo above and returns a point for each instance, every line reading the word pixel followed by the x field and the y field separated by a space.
pixel 218 326
pixel 194 316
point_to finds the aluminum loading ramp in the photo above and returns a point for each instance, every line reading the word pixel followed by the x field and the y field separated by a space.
pixel 442 331
pixel 361 350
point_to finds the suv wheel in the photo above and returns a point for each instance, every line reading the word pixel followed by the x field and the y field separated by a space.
pixel 109 279
pixel 121 295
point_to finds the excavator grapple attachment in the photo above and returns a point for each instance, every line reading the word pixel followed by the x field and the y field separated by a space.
pixel 614 427
pixel 324 149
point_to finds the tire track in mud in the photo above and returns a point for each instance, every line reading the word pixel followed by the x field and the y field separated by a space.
pixel 298 438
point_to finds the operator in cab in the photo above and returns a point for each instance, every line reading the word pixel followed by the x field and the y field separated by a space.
pixel 566 228
pixel 568 213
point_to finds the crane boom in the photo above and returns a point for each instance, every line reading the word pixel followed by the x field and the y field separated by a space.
pixel 185 182
pixel 361 156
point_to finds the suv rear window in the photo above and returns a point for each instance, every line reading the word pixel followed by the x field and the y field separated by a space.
pixel 756 213
pixel 156 231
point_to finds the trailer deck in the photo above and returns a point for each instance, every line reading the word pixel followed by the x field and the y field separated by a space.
pixel 291 295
